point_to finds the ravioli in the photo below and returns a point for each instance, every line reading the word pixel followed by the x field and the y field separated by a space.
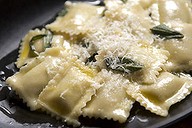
pixel 180 53
pixel 153 60
pixel 96 60
pixel 25 54
pixel 39 71
pixel 69 92
pixel 110 100
pixel 173 10
pixel 168 90
pixel 77 20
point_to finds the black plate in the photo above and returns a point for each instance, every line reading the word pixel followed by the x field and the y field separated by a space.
pixel 16 19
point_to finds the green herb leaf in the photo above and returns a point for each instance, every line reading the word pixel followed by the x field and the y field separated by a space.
pixel 63 12
pixel 37 37
pixel 46 39
pixel 165 32
pixel 103 13
pixel 32 51
pixel 124 1
pixel 123 64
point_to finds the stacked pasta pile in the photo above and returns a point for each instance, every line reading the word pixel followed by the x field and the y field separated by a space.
pixel 96 61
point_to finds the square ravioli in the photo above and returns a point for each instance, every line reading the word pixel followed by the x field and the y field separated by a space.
pixel 110 100
pixel 77 19
pixel 158 97
pixel 68 92
pixel 33 77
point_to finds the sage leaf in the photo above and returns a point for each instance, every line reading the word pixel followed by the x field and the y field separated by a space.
pixel 46 40
pixel 165 32
pixel 124 1
pixel 123 64
pixel 37 37
pixel 103 13
pixel 33 52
